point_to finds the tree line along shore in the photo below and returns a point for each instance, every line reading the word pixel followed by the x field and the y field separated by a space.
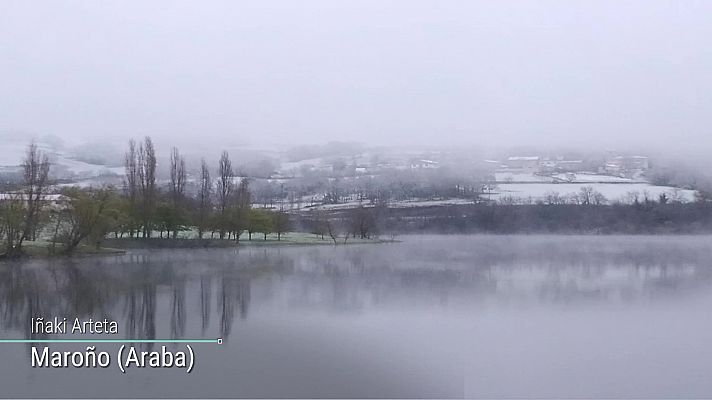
pixel 36 217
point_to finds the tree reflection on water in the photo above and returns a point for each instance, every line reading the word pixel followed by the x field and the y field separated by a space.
pixel 161 293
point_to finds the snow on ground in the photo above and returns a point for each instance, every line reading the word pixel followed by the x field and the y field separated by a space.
pixel 396 204
pixel 428 203
pixel 517 177
pixel 289 165
pixel 47 197
pixel 612 191
pixel 520 177
pixel 12 154
pixel 98 182
pixel 80 169
pixel 589 177
pixel 341 206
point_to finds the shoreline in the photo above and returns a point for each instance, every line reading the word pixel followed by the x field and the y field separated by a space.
pixel 185 243
pixel 120 246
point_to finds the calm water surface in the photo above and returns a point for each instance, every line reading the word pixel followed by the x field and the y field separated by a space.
pixel 433 316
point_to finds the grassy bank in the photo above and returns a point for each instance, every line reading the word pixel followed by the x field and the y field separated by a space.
pixel 44 249
pixel 302 238
pixel 288 239
pixel 112 246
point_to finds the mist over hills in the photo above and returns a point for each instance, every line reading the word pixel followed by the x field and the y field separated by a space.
pixel 306 174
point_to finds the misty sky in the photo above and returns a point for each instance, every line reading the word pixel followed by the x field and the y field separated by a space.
pixel 386 72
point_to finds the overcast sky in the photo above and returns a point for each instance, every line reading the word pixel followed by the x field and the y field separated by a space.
pixel 571 73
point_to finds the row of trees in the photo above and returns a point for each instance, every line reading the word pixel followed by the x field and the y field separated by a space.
pixel 584 212
pixel 221 205
pixel 587 195
pixel 29 212
pixel 142 208
pixel 649 217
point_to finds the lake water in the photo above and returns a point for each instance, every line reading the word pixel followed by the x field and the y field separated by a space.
pixel 432 316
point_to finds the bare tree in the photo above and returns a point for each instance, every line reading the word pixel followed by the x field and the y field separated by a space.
pixel 553 198
pixel 36 180
pixel 224 188
pixel 586 195
pixel 147 184
pixel 206 188
pixel 320 224
pixel 362 222
pixel 333 195
pixel 131 184
pixel 589 196
pixel 239 216
pixel 177 175
pixel 599 199
pixel 243 197
pixel 177 184
pixel 333 228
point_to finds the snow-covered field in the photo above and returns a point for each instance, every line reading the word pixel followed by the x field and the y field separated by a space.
pixel 520 185
pixel 518 177
pixel 623 192
pixel 587 177
pixel 525 192
pixel 64 166
pixel 396 204
pixel 81 170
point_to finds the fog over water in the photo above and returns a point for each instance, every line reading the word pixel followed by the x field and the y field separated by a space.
pixel 432 316
pixel 606 74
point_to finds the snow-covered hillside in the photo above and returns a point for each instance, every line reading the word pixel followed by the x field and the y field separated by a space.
pixel 65 166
